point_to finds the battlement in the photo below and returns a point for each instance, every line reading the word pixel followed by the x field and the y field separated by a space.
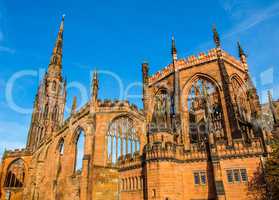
pixel 193 60
pixel 168 151
pixel 239 149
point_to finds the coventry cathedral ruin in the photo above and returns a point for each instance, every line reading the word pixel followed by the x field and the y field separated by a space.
pixel 199 136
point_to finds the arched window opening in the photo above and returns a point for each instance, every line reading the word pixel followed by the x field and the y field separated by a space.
pixel 121 139
pixel 240 100
pixel 205 111
pixel 80 141
pixel 55 113
pixel 61 147
pixel 161 118
pixel 46 111
pixel 15 175
pixel 242 108
pixel 54 85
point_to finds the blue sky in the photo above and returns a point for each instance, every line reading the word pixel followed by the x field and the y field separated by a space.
pixel 116 37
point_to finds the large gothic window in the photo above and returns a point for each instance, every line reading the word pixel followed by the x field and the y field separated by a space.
pixel 205 111
pixel 15 174
pixel 80 141
pixel 240 99
pixel 121 139
pixel 162 111
pixel 243 110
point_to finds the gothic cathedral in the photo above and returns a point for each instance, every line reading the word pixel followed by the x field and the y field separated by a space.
pixel 199 136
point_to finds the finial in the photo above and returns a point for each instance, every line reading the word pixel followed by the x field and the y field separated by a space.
pixel 74 105
pixel 173 48
pixel 216 37
pixel 240 50
pixel 62 23
pixel 95 75
pixel 95 85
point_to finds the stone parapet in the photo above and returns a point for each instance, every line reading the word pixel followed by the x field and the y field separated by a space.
pixel 239 149
pixel 168 151
pixel 192 60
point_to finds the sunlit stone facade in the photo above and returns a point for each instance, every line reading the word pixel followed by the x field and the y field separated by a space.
pixel 198 136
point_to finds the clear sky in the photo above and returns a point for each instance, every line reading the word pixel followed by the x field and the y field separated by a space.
pixel 115 37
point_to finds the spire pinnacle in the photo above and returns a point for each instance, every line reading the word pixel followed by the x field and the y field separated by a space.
pixel 216 37
pixel 95 85
pixel 240 50
pixel 74 105
pixel 56 57
pixel 173 48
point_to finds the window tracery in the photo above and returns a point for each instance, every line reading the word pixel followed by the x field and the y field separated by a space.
pixel 162 111
pixel 15 174
pixel 121 139
pixel 205 111
pixel 240 99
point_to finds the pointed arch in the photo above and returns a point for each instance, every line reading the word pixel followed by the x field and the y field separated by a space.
pixel 202 100
pixel 79 141
pixel 121 138
pixel 240 98
pixel 162 109
pixel 60 147
pixel 15 175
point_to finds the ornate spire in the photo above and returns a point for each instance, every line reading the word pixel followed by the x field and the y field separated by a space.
pixel 216 37
pixel 95 85
pixel 173 49
pixel 56 57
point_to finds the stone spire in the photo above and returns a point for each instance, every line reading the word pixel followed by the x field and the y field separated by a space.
pixel 95 86
pixel 173 49
pixel 216 37
pixel 55 64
